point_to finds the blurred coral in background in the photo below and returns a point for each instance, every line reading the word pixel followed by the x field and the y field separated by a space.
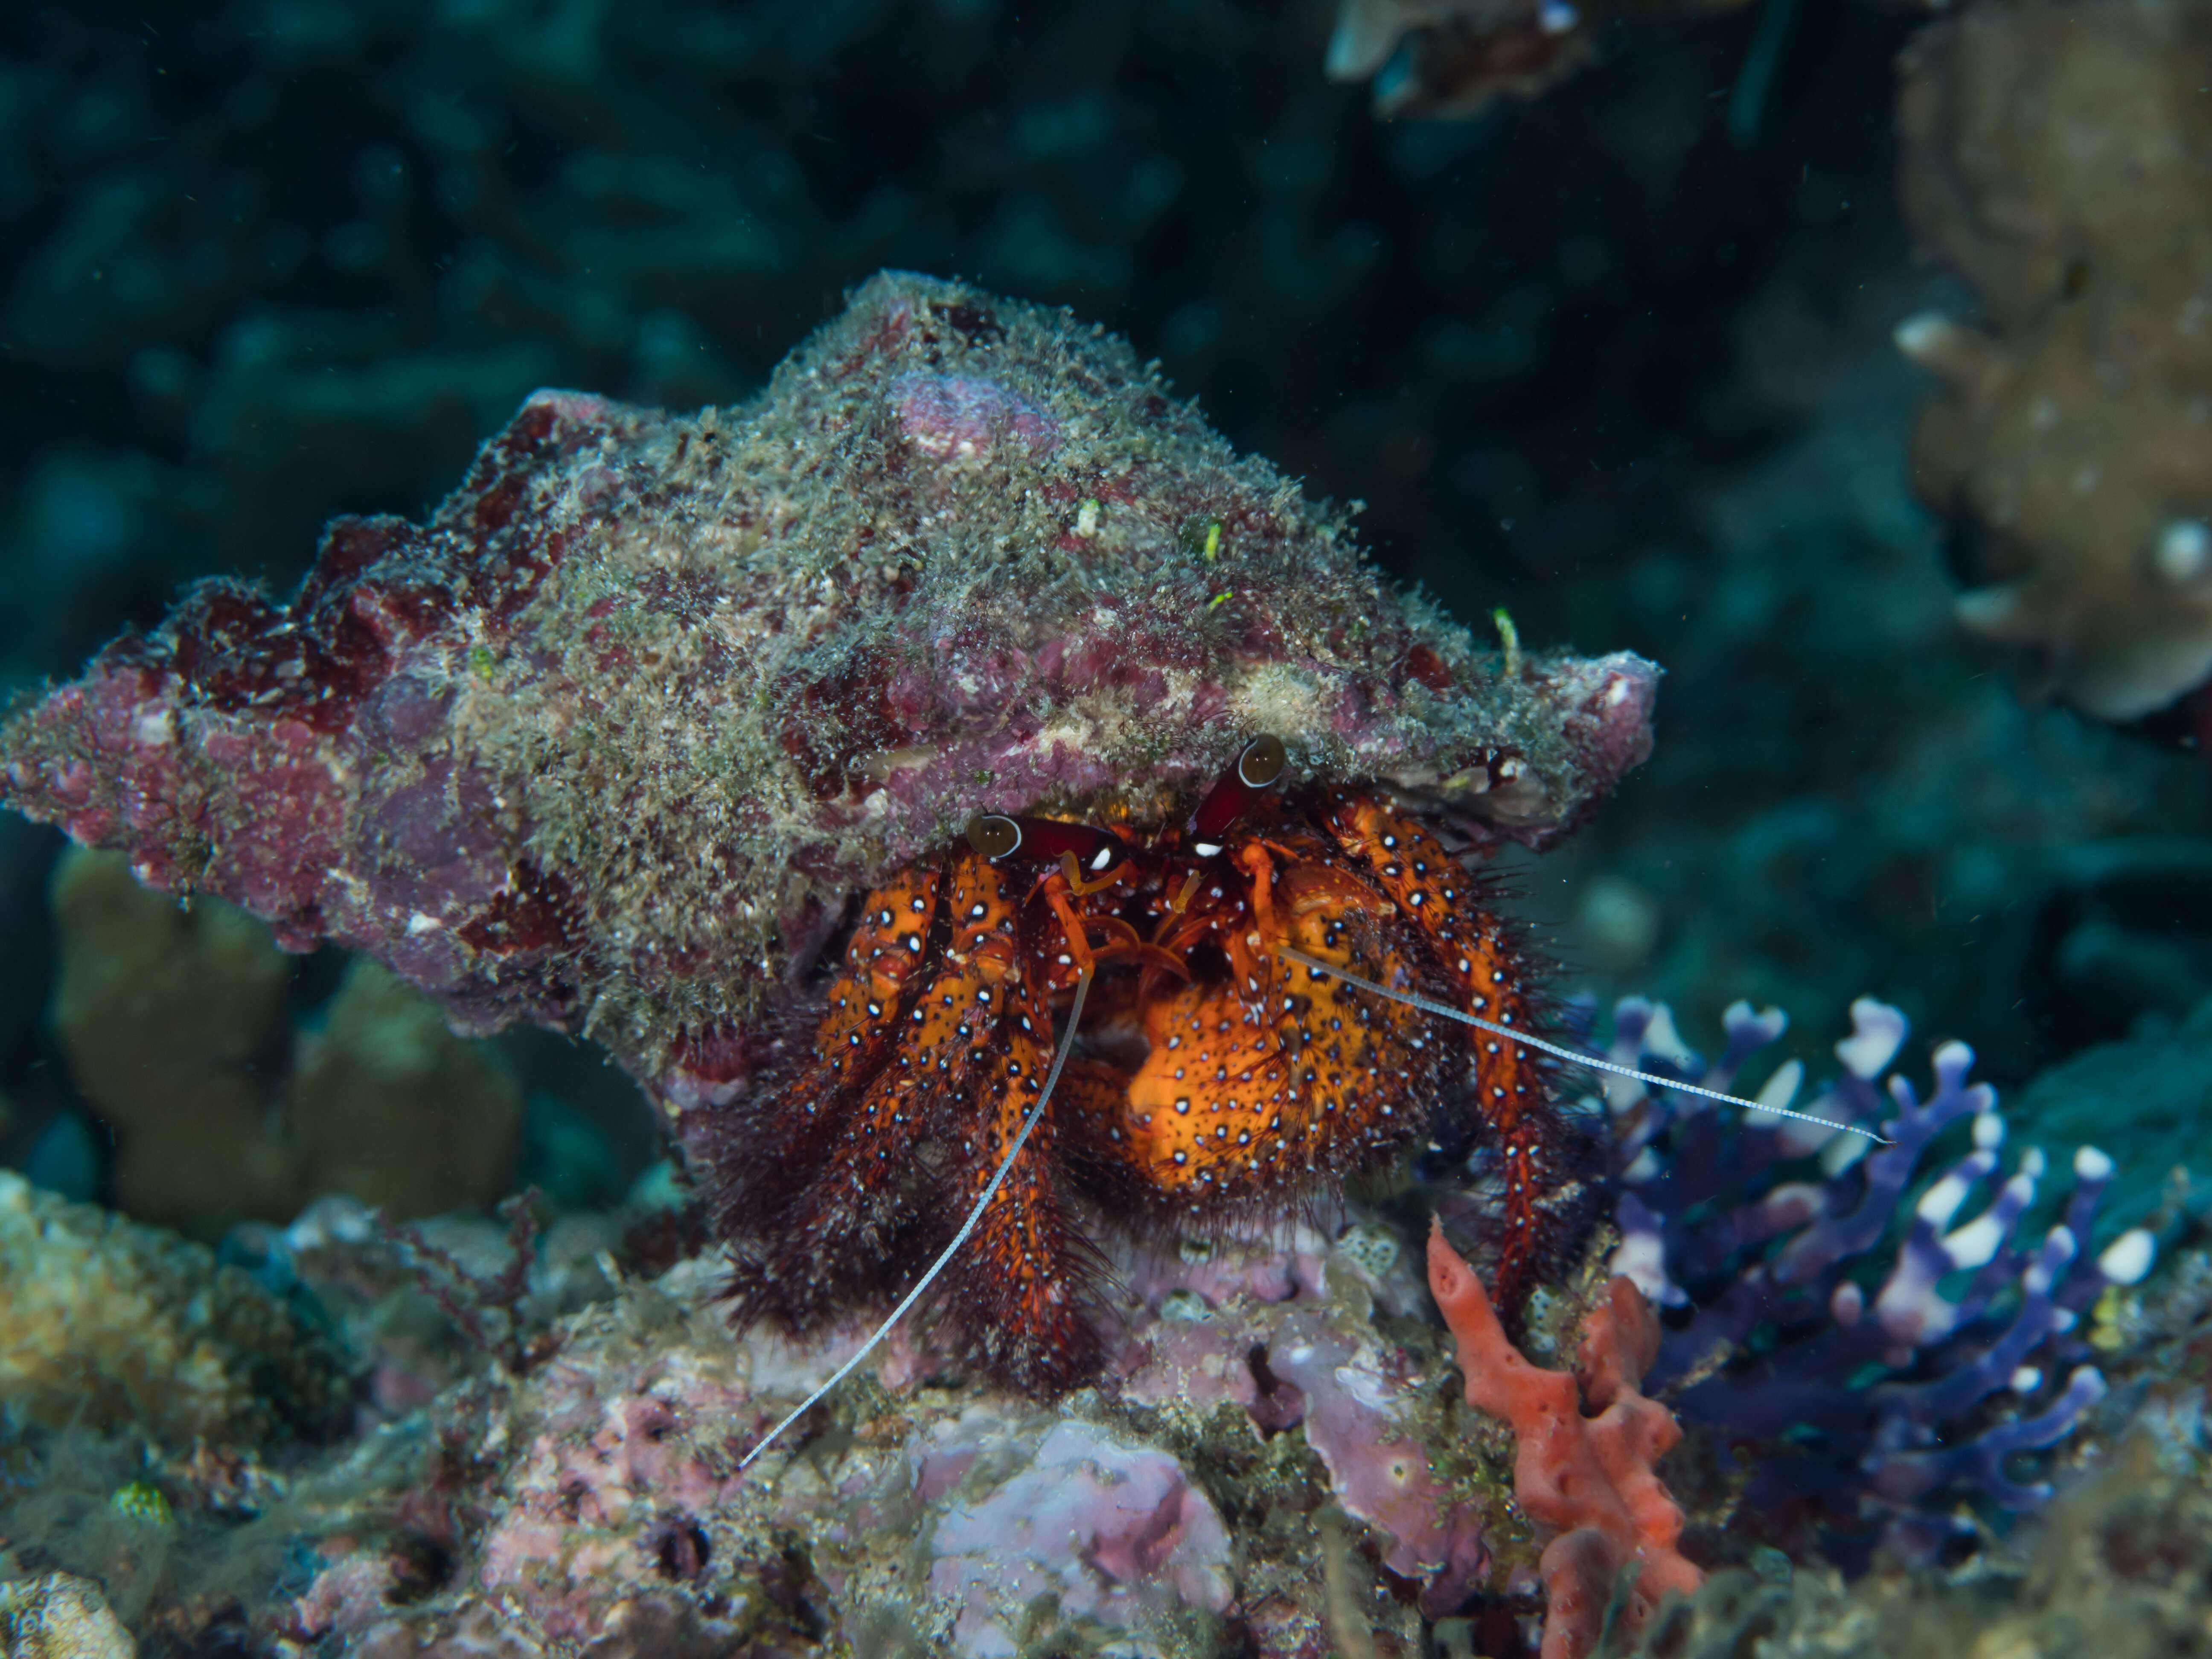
pixel 2058 158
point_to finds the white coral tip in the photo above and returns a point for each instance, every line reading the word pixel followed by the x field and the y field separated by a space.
pixel 1781 1088
pixel 2085 1386
pixel 1945 348
pixel 1662 1039
pixel 1941 1201
pixel 1976 1244
pixel 2127 1258
pixel 1923 334
pixel 1841 1152
pixel 1877 1032
pixel 2181 555
pixel 1953 1054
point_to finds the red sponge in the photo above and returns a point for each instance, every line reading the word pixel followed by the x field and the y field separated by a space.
pixel 1590 1478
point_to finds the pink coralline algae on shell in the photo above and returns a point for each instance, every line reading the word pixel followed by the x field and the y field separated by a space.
pixel 611 741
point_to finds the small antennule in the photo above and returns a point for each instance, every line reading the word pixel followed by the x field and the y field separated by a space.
pixel 1430 1006
pixel 968 1227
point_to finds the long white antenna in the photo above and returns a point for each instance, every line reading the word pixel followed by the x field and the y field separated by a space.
pixel 1430 1006
pixel 974 1218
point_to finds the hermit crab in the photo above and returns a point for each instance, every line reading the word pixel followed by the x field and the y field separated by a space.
pixel 1229 1061
pixel 1286 988
pixel 959 742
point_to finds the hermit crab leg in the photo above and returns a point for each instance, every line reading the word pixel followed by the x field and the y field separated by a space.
pixel 967 1228
pixel 1430 1006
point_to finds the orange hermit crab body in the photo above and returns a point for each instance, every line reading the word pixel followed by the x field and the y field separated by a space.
pixel 1220 1072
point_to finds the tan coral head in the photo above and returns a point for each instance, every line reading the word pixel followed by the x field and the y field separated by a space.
pixel 2082 514
pixel 2141 652
pixel 2056 157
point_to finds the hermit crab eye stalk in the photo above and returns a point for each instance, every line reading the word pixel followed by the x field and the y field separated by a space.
pixel 1259 766
pixel 1046 840
pixel 1261 763
pixel 994 836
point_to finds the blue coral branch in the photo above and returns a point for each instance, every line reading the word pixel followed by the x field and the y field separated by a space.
pixel 1911 1358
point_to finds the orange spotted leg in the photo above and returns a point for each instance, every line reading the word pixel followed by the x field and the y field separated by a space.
pixel 1524 1193
pixel 1428 1006
pixel 838 1120
pixel 1474 947
pixel 967 1228
pixel 1018 1287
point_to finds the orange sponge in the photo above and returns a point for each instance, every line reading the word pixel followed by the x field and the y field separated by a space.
pixel 1590 1478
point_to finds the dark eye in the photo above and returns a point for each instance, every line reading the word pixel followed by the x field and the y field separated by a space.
pixel 1261 763
pixel 994 837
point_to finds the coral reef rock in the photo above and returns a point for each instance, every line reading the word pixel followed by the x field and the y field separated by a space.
pixel 601 1494
pixel 105 1323
pixel 609 742
pixel 2058 157
pixel 59 1617
pixel 2120 1568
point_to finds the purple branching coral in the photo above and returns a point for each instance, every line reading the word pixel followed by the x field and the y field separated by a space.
pixel 1901 1371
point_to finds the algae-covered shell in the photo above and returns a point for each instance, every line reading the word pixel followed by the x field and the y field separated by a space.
pixel 608 741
